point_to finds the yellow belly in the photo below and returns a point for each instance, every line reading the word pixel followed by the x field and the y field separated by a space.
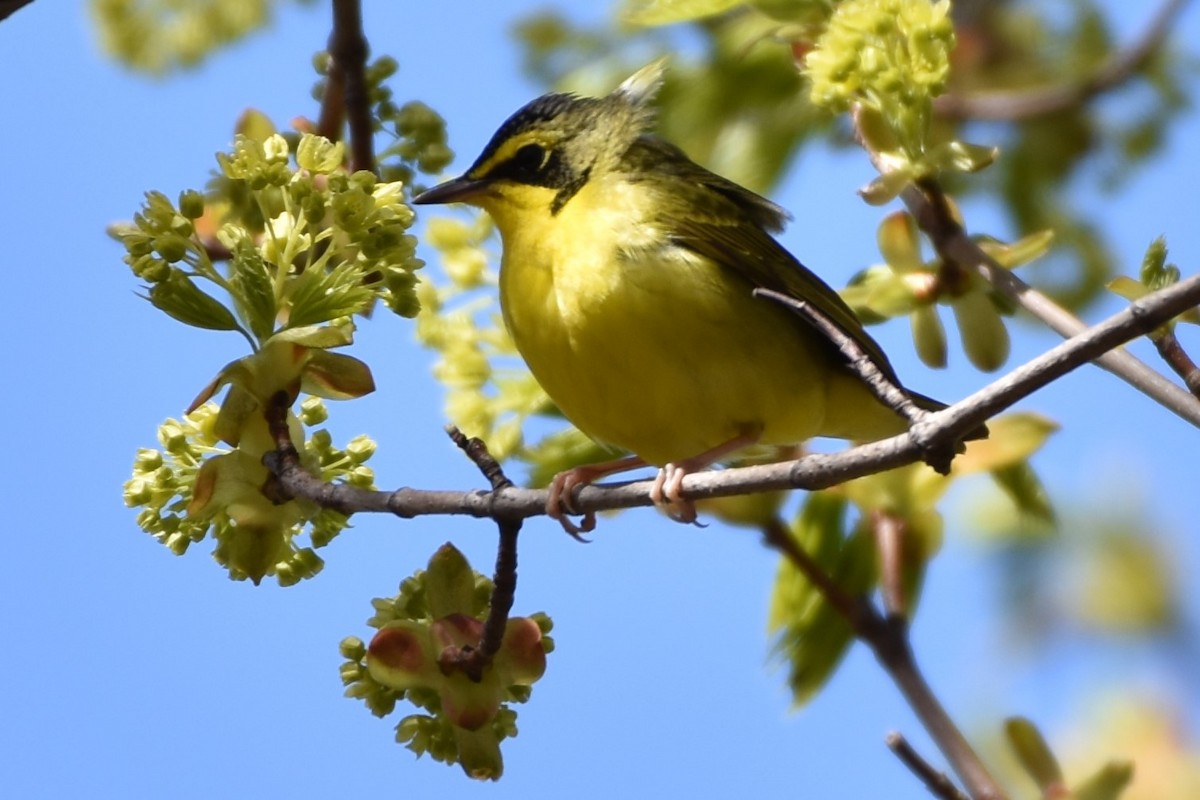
pixel 665 354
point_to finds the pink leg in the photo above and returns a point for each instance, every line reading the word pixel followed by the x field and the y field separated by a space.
pixel 667 492
pixel 558 504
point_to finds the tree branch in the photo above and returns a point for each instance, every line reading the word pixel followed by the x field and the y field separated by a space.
pixel 346 97
pixel 504 579
pixel 1021 104
pixel 816 471
pixel 938 783
pixel 1176 357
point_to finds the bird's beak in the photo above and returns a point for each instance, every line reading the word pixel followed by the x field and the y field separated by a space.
pixel 458 190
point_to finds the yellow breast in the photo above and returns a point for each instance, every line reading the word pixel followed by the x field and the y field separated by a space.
pixel 646 346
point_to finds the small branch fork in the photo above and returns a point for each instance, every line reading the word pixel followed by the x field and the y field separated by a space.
pixel 1021 104
pixel 938 783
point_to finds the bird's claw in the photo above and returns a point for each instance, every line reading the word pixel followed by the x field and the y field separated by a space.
pixel 667 494
pixel 559 505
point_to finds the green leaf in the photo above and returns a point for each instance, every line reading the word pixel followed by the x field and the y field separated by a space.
pixel 1127 287
pixel 317 336
pixel 1108 783
pixel 929 336
pixel 1026 249
pixel 322 297
pixel 984 336
pixel 813 635
pixel 449 583
pixel 1154 273
pixel 961 157
pixel 255 125
pixel 336 377
pixel 182 300
pixel 237 408
pixel 253 290
pixel 886 187
pixel 665 12
pixel 1035 756
pixel 899 242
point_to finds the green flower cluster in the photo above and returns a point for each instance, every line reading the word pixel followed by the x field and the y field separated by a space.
pixel 194 488
pixel 305 243
pixel 891 56
pixel 436 617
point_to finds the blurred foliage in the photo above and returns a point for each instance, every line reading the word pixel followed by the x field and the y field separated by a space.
pixel 161 36
pixel 1158 758
pixel 840 529
pixel 1103 570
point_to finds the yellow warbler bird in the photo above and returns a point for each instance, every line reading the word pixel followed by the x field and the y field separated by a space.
pixel 626 283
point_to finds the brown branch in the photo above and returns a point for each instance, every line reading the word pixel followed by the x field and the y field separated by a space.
pixel 1021 104
pixel 815 471
pixel 938 783
pixel 1176 357
pixel 929 207
pixel 504 579
pixel 347 98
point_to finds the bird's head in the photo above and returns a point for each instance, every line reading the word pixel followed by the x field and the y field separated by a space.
pixel 549 149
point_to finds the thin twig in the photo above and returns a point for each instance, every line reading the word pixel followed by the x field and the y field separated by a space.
pixel 504 579
pixel 938 783
pixel 1020 104
pixel 1176 357
pixel 815 471
pixel 777 536
pixel 928 206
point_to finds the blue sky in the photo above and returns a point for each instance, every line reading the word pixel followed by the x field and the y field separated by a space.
pixel 129 672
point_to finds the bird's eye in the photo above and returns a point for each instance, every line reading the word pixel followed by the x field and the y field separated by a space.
pixel 529 158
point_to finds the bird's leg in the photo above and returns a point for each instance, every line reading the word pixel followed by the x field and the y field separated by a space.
pixel 667 492
pixel 558 504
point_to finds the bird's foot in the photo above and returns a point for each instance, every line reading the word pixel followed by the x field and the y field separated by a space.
pixel 559 505
pixel 667 493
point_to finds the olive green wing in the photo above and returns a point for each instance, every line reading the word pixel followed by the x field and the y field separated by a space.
pixel 718 219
